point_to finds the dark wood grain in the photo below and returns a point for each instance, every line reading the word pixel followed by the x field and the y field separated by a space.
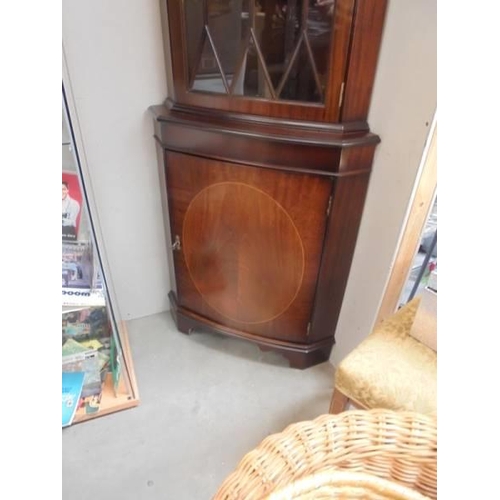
pixel 254 151
pixel 362 63
pixel 285 131
pixel 353 59
pixel 178 45
pixel 343 226
pixel 228 227
pixel 172 110
pixel 338 58
pixel 265 197
pixel 251 243
pixel 166 220
pixel 295 109
pixel 300 356
pixel 265 143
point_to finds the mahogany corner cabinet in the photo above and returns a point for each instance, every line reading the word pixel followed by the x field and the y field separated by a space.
pixel 265 155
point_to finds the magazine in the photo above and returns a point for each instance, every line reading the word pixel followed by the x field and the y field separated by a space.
pixel 72 385
pixel 82 297
pixel 72 203
pixel 77 265
pixel 86 323
pixel 90 363
pixel 78 355
pixel 86 337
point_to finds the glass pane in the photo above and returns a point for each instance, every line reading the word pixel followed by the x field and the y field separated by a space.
pixel 94 373
pixel 228 29
pixel 423 272
pixel 319 31
pixel 253 80
pixel 216 32
pixel 208 76
pixel 194 33
pixel 300 82
pixel 273 49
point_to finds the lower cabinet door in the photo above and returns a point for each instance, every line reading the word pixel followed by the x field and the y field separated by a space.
pixel 247 243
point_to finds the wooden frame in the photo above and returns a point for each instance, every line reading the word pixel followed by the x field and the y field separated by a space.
pixel 419 211
pixel 340 402
pixel 348 93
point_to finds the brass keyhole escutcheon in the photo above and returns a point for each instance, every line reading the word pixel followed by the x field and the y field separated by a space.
pixel 176 245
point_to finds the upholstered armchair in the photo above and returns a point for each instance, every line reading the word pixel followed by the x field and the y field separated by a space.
pixel 395 367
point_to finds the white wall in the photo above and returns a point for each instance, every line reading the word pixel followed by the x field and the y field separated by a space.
pixel 403 106
pixel 115 63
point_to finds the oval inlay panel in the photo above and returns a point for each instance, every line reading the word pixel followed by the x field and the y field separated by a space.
pixel 243 252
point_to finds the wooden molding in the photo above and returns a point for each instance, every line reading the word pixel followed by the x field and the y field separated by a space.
pixel 417 217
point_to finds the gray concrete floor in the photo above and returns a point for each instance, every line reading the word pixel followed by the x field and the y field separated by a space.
pixel 206 400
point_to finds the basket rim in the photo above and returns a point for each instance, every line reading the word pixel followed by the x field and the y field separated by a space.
pixel 340 479
pixel 401 445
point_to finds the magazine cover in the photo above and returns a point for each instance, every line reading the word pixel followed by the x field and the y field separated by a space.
pixel 71 206
pixel 77 265
pixel 88 363
pixel 86 346
pixel 79 356
pixel 86 324
pixel 82 297
pixel 72 385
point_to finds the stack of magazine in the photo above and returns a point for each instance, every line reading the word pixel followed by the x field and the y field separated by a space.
pixel 86 348
pixel 90 346
pixel 81 278
pixel 72 384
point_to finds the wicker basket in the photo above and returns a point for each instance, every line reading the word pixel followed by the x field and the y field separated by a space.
pixel 397 447
pixel 345 485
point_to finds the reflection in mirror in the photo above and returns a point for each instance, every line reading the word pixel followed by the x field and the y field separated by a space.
pixel 273 49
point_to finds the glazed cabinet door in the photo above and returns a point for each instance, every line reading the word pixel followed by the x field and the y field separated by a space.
pixel 281 58
pixel 246 243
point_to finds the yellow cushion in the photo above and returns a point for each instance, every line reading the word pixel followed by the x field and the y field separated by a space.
pixel 390 369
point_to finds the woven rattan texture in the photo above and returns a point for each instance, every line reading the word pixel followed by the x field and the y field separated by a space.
pixel 345 485
pixel 397 446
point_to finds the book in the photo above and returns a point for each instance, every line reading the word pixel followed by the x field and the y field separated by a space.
pixel 72 386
